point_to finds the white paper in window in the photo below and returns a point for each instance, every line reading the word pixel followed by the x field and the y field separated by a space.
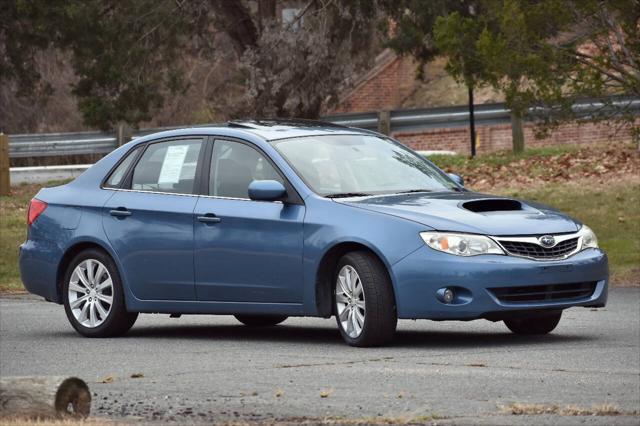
pixel 172 165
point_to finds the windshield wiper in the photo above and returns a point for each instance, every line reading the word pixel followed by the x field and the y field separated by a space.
pixel 347 194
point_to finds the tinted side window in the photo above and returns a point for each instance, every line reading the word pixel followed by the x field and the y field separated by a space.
pixel 168 167
pixel 120 172
pixel 234 166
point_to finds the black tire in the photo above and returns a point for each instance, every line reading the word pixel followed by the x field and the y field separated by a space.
pixel 118 320
pixel 535 324
pixel 261 320
pixel 380 317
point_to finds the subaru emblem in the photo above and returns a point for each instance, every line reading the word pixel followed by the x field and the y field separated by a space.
pixel 547 241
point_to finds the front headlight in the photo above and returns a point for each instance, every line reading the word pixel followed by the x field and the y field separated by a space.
pixel 461 244
pixel 588 237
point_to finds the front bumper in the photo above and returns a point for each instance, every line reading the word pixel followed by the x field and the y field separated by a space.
pixel 420 276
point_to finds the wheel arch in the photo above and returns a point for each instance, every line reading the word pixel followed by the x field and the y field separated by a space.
pixel 326 269
pixel 71 252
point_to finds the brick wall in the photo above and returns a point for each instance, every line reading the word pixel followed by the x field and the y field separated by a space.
pixel 498 137
pixel 391 80
pixel 383 88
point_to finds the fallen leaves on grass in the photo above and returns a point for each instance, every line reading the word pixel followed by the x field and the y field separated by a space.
pixel 591 163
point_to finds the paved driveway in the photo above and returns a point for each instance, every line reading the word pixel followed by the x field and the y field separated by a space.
pixel 207 368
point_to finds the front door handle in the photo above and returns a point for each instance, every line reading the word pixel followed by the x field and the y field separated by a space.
pixel 209 218
pixel 120 212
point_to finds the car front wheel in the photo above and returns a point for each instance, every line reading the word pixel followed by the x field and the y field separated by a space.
pixel 364 301
pixel 535 324
pixel 93 296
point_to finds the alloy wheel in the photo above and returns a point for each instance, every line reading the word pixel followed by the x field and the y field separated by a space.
pixel 90 293
pixel 350 302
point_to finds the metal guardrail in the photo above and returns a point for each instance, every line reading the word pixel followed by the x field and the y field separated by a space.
pixel 410 120
pixel 50 144
pixel 486 114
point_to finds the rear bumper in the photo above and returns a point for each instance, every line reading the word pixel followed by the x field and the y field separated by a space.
pixel 39 261
pixel 419 277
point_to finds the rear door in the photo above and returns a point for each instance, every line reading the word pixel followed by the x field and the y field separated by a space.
pixel 149 220
pixel 246 251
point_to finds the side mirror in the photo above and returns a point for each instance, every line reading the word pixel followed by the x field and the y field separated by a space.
pixel 266 190
pixel 456 178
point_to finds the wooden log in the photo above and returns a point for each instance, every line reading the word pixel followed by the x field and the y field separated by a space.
pixel 5 176
pixel 44 398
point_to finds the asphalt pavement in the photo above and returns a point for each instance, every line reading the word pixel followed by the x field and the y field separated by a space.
pixel 204 369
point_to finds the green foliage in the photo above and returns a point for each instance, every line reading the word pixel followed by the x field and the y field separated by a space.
pixel 506 44
pixel 124 52
pixel 519 60
pixel 540 52
pixel 24 30
pixel 414 20
pixel 125 55
pixel 456 36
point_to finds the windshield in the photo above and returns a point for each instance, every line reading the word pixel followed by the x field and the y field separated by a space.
pixel 351 165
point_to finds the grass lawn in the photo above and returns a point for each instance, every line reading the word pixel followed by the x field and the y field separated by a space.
pixel 457 162
pixel 610 209
pixel 13 231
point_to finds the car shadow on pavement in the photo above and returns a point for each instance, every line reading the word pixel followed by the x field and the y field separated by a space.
pixel 330 336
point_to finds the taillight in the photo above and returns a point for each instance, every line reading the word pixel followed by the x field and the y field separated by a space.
pixel 36 207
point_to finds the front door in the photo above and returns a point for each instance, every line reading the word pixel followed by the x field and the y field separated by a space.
pixel 149 221
pixel 246 251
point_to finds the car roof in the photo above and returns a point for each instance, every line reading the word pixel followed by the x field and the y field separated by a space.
pixel 272 129
pixel 267 129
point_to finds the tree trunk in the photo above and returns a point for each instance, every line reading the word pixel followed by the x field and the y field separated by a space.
pixel 235 19
pixel 266 12
pixel 517 133
pixel 44 398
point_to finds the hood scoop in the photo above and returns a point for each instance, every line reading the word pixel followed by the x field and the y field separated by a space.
pixel 489 205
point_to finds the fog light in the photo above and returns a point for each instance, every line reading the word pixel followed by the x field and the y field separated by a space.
pixel 447 296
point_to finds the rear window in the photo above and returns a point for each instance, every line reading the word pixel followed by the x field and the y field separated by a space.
pixel 118 175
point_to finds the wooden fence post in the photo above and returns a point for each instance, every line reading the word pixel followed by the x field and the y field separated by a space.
pixel 5 176
pixel 384 122
pixel 123 133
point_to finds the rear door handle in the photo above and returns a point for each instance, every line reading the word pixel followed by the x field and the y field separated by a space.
pixel 209 218
pixel 120 212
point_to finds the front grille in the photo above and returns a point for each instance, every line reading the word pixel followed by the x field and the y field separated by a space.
pixel 536 251
pixel 543 293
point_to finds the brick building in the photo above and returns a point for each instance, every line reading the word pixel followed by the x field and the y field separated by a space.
pixel 392 80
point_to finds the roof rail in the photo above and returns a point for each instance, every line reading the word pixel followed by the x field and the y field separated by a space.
pixel 292 122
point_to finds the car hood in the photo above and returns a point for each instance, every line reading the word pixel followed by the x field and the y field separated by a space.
pixel 470 212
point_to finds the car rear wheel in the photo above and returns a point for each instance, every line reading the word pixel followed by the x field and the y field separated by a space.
pixel 364 303
pixel 536 324
pixel 260 320
pixel 93 296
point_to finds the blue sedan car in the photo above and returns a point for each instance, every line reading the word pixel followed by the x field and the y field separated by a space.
pixel 269 219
